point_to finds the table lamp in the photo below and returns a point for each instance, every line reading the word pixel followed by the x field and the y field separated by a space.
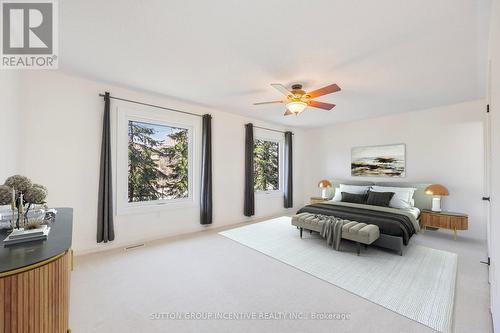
pixel 324 185
pixel 437 191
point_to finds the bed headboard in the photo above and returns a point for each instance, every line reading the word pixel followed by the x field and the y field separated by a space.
pixel 422 200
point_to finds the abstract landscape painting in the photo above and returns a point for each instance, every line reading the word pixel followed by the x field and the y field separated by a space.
pixel 378 161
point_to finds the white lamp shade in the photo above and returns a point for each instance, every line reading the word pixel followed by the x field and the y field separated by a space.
pixel 296 107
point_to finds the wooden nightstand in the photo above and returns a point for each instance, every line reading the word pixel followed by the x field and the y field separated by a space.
pixel 315 200
pixel 445 220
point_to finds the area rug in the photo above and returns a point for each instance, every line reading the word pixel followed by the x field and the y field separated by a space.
pixel 419 285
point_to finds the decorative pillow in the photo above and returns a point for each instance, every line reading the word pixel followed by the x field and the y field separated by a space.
pixel 402 198
pixel 354 189
pixel 338 196
pixel 379 198
pixel 353 198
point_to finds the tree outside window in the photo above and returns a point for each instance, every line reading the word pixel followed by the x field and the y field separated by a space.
pixel 266 165
pixel 157 162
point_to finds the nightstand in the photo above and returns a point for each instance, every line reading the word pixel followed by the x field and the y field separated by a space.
pixel 315 200
pixel 445 220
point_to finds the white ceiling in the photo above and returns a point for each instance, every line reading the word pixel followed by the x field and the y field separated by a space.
pixel 388 56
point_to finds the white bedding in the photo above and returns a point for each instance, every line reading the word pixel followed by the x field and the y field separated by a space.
pixel 402 199
pixel 413 210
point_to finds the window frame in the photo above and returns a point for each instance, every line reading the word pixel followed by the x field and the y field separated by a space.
pixel 126 114
pixel 280 142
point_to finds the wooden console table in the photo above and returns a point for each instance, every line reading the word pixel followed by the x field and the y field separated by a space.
pixel 35 281
pixel 446 220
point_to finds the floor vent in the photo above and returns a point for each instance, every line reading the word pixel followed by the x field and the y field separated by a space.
pixel 131 247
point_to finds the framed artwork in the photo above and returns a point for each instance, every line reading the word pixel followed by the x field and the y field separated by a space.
pixel 379 161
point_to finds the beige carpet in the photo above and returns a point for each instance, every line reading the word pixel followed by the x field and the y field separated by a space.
pixel 419 285
pixel 117 290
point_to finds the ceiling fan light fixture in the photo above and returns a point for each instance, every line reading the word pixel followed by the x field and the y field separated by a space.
pixel 297 99
pixel 296 107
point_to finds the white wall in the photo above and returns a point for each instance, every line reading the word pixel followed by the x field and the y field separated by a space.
pixel 61 147
pixel 63 116
pixel 443 145
pixel 495 163
pixel 9 122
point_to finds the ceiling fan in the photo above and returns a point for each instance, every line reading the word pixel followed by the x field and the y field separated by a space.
pixel 297 99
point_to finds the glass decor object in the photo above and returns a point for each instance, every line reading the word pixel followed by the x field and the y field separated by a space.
pixel 296 107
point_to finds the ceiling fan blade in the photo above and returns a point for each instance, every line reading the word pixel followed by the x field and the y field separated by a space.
pixel 324 91
pixel 321 105
pixel 281 88
pixel 273 102
pixel 288 112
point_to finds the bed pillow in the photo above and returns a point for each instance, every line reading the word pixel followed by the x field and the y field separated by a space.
pixel 381 199
pixel 353 198
pixel 402 198
pixel 354 189
pixel 338 196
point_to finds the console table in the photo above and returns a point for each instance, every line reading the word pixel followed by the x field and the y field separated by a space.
pixel 35 280
pixel 444 219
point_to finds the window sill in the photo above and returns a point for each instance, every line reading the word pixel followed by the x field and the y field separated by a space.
pixel 154 208
pixel 268 194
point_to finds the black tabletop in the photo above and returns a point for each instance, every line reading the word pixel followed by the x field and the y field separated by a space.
pixel 444 212
pixel 25 254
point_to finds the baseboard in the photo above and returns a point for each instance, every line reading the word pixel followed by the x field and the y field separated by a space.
pixel 110 246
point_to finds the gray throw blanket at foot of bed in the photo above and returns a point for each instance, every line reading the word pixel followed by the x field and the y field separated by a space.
pixel 332 230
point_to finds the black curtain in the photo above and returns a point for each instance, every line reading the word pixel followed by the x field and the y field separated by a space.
pixel 206 171
pixel 288 172
pixel 105 229
pixel 249 205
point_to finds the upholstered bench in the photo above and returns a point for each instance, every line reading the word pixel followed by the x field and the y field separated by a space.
pixel 307 221
pixel 360 233
pixel 355 231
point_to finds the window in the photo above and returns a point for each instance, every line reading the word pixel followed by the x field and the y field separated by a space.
pixel 266 155
pixel 158 163
pixel 155 159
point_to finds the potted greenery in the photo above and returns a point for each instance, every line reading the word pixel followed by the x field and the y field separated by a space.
pixel 21 194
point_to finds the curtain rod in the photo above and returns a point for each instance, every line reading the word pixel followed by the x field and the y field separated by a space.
pixel 152 105
pixel 270 129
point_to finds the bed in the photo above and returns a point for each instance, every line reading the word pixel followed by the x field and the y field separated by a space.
pixel 397 226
